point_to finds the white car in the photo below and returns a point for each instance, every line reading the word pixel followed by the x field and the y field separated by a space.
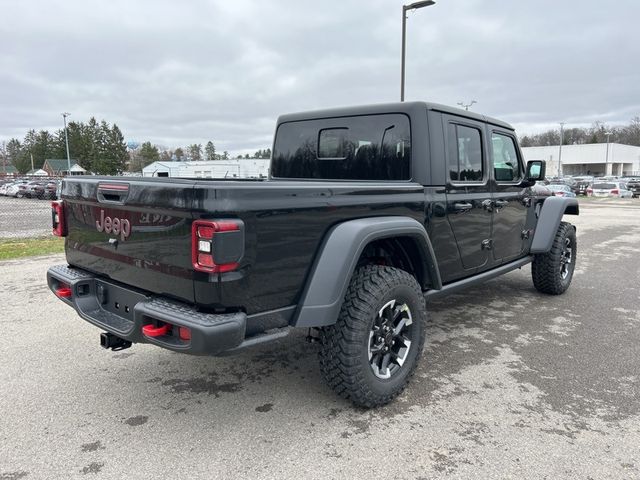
pixel 3 188
pixel 609 189
pixel 14 190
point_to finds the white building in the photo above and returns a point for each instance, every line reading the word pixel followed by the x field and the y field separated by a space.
pixel 233 168
pixel 588 159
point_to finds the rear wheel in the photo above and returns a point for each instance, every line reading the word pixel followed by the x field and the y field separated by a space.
pixel 552 272
pixel 372 350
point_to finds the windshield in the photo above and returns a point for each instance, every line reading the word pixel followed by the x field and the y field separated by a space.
pixel 558 188
pixel 604 186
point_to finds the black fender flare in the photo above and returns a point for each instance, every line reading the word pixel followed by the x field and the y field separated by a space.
pixel 338 256
pixel 553 208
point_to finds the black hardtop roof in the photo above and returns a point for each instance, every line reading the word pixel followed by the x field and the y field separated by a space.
pixel 396 107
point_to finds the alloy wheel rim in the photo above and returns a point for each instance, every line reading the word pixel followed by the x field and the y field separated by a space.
pixel 389 342
pixel 566 258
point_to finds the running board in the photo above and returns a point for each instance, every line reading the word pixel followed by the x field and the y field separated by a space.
pixel 476 279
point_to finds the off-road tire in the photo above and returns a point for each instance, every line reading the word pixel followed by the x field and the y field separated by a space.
pixel 547 268
pixel 345 346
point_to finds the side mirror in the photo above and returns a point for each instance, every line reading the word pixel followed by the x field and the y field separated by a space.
pixel 536 170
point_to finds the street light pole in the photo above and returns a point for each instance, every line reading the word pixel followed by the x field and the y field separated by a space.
pixel 467 105
pixel 606 161
pixel 405 8
pixel 560 150
pixel 66 141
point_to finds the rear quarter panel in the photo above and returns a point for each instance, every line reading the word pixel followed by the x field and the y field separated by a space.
pixel 285 222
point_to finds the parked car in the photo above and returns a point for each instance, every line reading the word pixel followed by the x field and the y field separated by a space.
pixel 633 185
pixel 610 189
pixel 561 190
pixel 541 190
pixel 579 187
pixel 560 181
pixel 16 189
pixel 51 190
pixel 4 187
pixel 46 190
pixel 34 189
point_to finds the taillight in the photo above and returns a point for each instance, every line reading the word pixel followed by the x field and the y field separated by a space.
pixel 615 191
pixel 209 253
pixel 57 219
pixel 184 333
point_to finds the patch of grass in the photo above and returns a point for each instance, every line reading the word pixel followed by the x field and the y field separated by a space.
pixel 28 247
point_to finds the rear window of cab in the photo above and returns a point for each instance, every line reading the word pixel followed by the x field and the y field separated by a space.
pixel 368 147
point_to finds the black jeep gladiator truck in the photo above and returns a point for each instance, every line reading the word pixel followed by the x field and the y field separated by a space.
pixel 368 213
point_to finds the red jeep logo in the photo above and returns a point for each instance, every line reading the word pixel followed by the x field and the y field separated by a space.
pixel 117 226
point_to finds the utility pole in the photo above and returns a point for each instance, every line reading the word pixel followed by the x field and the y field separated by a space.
pixel 606 161
pixel 560 149
pixel 466 105
pixel 66 141
pixel 405 8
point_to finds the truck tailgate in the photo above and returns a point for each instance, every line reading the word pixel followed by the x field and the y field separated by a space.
pixel 133 231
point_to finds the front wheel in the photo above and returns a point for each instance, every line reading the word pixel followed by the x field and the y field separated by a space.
pixel 372 350
pixel 552 272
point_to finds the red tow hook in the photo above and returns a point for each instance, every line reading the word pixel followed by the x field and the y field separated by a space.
pixel 151 331
pixel 63 292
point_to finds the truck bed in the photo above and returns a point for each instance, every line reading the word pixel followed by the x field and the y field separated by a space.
pixel 284 221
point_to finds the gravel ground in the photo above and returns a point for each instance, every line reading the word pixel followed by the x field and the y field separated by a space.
pixel 24 217
pixel 512 384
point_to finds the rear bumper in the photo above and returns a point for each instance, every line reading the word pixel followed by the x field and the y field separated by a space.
pixel 123 311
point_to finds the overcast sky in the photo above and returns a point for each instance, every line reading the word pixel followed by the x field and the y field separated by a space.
pixel 177 73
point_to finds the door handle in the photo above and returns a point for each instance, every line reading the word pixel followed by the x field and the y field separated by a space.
pixel 462 206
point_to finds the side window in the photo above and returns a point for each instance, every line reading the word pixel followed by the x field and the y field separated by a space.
pixel 465 154
pixel 506 167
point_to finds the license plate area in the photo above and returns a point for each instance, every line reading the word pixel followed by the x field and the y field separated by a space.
pixel 117 300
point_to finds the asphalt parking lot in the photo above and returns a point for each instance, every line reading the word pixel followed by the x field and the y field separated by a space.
pixel 24 217
pixel 512 384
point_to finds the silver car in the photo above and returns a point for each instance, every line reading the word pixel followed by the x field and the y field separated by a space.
pixel 609 189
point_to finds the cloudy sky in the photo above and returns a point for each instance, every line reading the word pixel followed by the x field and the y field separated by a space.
pixel 176 73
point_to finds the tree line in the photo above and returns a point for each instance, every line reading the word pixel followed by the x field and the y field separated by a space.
pixel 99 147
pixel 96 146
pixel 627 134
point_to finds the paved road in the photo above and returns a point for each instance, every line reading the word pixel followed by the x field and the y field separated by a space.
pixel 24 217
pixel 513 384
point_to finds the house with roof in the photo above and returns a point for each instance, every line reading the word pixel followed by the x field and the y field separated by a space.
pixel 8 170
pixel 58 167
pixel 37 172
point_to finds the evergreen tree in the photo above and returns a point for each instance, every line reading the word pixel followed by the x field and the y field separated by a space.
pixel 179 153
pixel 195 152
pixel 210 151
pixel 14 155
pixel 110 150
pixel 148 154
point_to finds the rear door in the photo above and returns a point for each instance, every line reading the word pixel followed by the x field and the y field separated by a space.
pixel 510 199
pixel 468 192
pixel 137 232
